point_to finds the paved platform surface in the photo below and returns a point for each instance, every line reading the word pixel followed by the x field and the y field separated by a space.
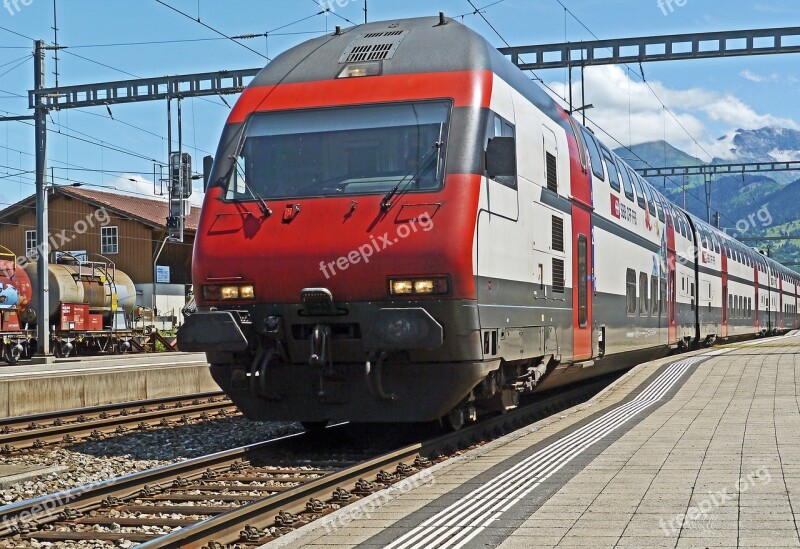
pixel 35 388
pixel 702 452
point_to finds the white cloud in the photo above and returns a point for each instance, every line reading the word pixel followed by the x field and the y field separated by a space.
pixel 747 74
pixel 628 109
pixel 785 156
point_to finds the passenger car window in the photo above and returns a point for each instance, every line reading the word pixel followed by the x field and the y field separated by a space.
pixel 639 192
pixel 649 194
pixel 626 181
pixel 611 168
pixel 594 154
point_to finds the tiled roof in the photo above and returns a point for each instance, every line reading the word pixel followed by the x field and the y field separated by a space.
pixel 147 210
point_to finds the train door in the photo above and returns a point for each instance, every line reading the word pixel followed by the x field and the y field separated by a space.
pixel 502 191
pixel 757 301
pixel 582 283
pixel 780 302
pixel 672 294
pixel 725 308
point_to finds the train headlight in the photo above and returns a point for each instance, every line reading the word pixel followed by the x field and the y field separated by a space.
pixel 358 70
pixel 435 285
pixel 401 287
pixel 247 292
pixel 424 286
pixel 229 292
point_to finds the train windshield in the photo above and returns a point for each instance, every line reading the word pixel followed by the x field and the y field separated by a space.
pixel 342 151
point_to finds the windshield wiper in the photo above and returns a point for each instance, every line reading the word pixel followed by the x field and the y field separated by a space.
pixel 262 205
pixel 385 203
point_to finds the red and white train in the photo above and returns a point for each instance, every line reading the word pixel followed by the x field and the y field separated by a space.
pixel 402 226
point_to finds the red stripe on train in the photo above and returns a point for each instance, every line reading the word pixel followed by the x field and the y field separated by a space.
pixel 467 88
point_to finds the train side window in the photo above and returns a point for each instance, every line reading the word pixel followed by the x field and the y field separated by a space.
pixel 691 293
pixel 626 180
pixel 661 216
pixel 654 305
pixel 499 127
pixel 663 302
pixel 611 168
pixel 580 141
pixel 730 304
pixel 583 271
pixel 639 192
pixel 651 204
pixel 630 289
pixel 643 293
pixel 594 155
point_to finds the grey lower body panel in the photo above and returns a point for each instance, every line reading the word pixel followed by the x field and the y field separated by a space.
pixel 398 392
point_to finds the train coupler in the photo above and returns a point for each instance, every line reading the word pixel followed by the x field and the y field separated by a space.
pixel 528 381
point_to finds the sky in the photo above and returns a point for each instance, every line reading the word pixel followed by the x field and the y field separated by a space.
pixel 106 40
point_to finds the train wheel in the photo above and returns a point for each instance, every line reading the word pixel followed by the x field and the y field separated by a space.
pixel 31 348
pixel 14 354
pixel 314 427
pixel 8 355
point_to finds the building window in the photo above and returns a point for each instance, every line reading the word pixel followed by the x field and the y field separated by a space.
pixel 30 244
pixel 109 240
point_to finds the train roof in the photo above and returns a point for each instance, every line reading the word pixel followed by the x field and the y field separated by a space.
pixel 404 46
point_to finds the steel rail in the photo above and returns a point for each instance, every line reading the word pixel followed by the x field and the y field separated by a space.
pixel 46 509
pixel 229 527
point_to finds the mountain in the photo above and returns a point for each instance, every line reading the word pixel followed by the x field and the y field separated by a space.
pixel 739 198
pixel 770 144
pixel 656 153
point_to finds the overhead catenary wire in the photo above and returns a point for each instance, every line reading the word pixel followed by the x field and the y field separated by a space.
pixel 643 79
pixel 209 27
pixel 564 100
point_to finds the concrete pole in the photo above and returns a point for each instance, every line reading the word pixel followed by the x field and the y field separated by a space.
pixel 42 231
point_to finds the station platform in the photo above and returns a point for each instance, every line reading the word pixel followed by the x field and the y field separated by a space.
pixel 697 450
pixel 77 383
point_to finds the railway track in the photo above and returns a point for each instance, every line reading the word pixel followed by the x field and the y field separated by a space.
pixel 239 496
pixel 23 433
